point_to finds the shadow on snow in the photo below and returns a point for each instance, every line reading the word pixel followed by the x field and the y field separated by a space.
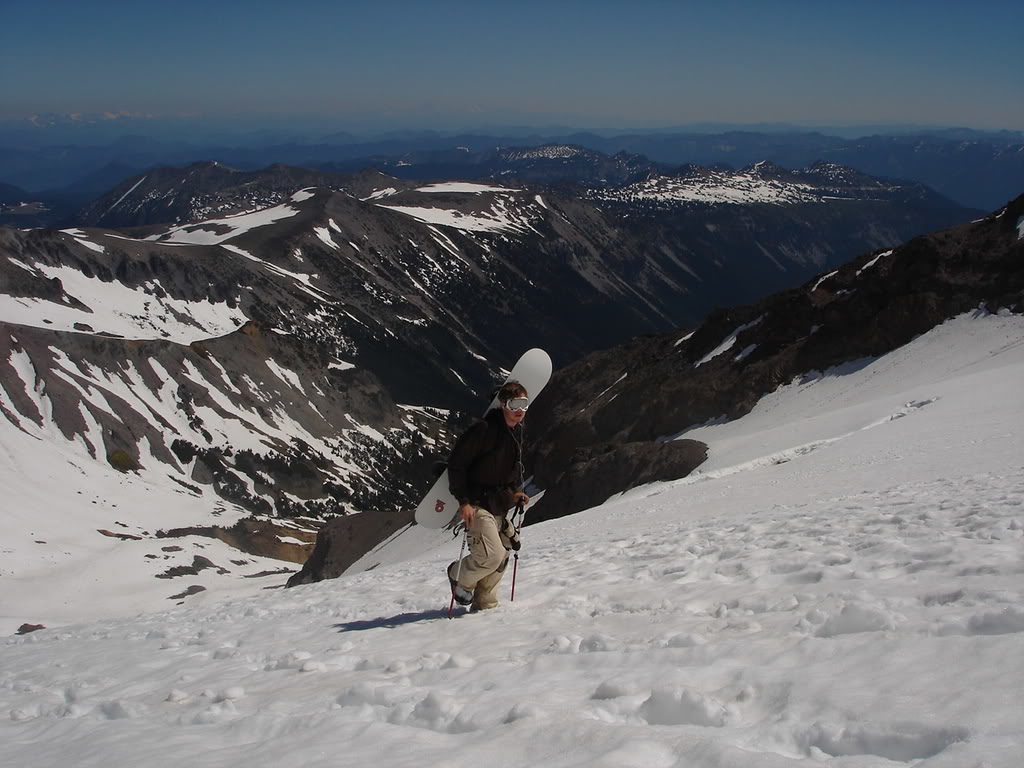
pixel 395 621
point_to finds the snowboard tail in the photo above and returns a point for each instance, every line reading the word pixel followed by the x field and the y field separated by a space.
pixel 439 508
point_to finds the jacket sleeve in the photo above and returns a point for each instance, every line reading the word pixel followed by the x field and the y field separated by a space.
pixel 467 449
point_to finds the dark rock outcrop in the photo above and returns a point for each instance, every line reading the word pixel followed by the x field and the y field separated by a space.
pixel 195 589
pixel 205 190
pixel 595 473
pixel 343 540
pixel 199 563
pixel 256 536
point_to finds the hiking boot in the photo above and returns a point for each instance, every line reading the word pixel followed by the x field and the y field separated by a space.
pixel 462 595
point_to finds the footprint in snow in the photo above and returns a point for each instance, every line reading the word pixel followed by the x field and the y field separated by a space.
pixel 682 706
pixel 901 742
pixel 850 618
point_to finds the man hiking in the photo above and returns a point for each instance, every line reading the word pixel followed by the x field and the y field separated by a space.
pixel 485 474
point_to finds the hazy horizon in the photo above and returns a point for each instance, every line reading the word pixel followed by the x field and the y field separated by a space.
pixel 598 66
pixel 313 129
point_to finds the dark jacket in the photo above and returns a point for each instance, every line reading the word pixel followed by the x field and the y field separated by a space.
pixel 485 468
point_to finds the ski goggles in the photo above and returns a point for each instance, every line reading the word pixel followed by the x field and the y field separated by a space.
pixel 517 403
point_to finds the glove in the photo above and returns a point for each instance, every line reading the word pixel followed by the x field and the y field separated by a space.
pixel 508 533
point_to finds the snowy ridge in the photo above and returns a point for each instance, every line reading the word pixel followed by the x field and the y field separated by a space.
pixel 111 308
pixel 501 211
pixel 716 187
pixel 203 191
pixel 126 194
pixel 727 343
pixel 463 188
pixel 215 231
pixel 547 152
pixel 858 604
pixel 386 192
pixel 761 183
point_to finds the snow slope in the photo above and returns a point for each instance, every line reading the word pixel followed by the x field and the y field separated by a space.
pixel 214 231
pixel 840 586
pixel 718 188
pixel 113 308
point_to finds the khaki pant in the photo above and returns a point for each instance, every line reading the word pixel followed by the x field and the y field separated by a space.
pixel 484 566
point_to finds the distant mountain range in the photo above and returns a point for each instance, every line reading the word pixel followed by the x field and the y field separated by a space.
pixel 977 169
pixel 290 342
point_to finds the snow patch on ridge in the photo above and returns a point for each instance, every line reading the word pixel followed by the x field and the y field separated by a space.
pixel 216 231
pixel 386 192
pixel 872 263
pixel 496 221
pixel 717 188
pixel 727 344
pixel 325 236
pixel 112 308
pixel 463 187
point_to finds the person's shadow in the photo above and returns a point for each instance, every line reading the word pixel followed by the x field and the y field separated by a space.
pixel 396 621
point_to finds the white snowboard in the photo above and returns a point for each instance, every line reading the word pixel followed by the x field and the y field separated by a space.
pixel 439 508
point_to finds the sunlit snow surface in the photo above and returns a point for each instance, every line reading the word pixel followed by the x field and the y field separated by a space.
pixel 500 219
pixel 841 585
pixel 717 187
pixel 500 211
pixel 217 231
pixel 463 187
pixel 113 308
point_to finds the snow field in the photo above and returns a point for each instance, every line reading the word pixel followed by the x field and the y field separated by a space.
pixel 858 604
pixel 506 212
pixel 687 640
pixel 216 231
pixel 59 494
pixel 719 188
pixel 463 187
pixel 113 308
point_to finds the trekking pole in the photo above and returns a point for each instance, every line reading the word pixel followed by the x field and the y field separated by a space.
pixel 458 573
pixel 521 512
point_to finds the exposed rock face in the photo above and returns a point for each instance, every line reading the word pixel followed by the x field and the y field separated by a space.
pixel 260 536
pixel 199 563
pixel 205 190
pixel 661 385
pixel 595 473
pixel 343 540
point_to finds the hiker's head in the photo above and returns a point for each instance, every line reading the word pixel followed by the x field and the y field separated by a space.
pixel 514 401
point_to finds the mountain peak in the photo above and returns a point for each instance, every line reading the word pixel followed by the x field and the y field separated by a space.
pixel 201 190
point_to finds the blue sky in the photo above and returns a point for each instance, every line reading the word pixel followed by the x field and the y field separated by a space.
pixel 456 63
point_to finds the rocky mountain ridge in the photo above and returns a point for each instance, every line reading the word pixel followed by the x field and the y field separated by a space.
pixel 542 164
pixel 202 191
pixel 977 169
pixel 763 182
